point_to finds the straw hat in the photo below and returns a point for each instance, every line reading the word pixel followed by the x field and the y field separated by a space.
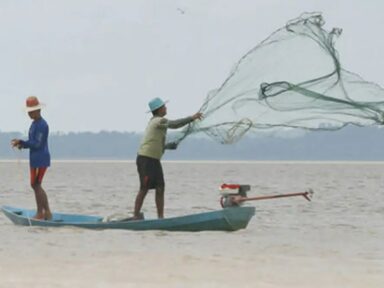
pixel 33 104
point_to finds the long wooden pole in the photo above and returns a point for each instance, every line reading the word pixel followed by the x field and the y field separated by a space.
pixel 307 195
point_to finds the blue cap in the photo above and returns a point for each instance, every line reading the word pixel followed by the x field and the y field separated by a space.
pixel 155 104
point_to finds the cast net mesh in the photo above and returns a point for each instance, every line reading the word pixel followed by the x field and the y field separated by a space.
pixel 292 79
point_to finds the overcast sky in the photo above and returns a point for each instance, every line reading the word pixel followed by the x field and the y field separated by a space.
pixel 96 64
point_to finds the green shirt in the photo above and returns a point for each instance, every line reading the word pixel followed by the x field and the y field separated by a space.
pixel 153 142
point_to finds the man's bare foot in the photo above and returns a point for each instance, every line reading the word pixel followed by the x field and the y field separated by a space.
pixel 138 217
pixel 48 215
pixel 39 216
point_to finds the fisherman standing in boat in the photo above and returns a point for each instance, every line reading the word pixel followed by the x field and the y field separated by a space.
pixel 150 152
pixel 39 156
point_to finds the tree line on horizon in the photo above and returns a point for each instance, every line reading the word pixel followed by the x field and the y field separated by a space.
pixel 350 143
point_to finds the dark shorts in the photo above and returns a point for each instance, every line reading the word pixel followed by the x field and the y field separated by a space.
pixel 150 172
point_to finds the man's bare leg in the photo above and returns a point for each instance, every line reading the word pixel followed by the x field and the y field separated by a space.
pixel 139 203
pixel 39 202
pixel 160 202
pixel 47 211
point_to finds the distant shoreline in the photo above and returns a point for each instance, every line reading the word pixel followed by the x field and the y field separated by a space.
pixel 351 144
pixel 273 162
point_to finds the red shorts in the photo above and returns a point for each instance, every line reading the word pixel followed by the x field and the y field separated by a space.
pixel 37 175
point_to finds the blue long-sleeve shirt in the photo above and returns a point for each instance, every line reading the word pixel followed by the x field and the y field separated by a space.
pixel 37 144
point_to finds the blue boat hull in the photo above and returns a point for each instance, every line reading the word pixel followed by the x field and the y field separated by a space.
pixel 226 219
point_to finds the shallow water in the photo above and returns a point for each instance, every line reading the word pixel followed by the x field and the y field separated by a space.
pixel 334 241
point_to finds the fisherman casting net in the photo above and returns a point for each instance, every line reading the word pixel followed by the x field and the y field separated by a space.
pixel 292 79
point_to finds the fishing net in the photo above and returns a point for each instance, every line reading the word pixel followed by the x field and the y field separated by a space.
pixel 292 79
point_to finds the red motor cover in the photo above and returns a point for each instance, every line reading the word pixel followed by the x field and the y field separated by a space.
pixel 229 186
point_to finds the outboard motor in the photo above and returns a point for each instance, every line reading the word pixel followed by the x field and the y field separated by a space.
pixel 232 193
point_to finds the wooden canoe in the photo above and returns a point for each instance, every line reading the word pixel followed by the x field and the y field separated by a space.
pixel 226 219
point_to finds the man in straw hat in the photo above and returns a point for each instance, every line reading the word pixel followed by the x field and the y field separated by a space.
pixel 39 157
pixel 150 152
